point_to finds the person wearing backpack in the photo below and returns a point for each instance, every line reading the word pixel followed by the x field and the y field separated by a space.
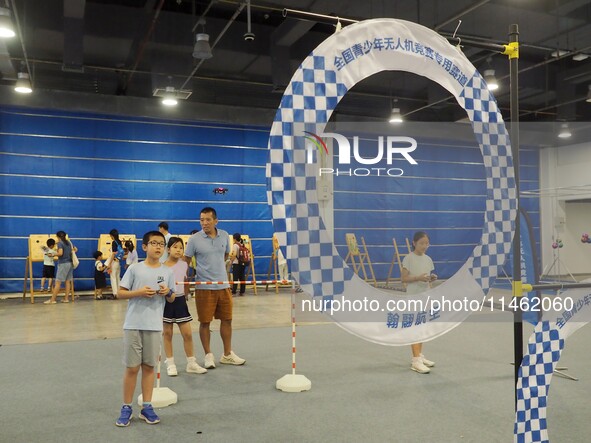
pixel 240 259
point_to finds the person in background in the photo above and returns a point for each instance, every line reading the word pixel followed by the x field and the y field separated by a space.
pixel 131 257
pixel 163 228
pixel 193 264
pixel 238 269
pixel 65 268
pixel 178 311
pixel 114 261
pixel 48 264
pixel 192 270
pixel 417 273
pixel 100 281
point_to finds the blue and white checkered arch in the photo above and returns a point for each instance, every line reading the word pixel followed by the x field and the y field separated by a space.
pixel 316 88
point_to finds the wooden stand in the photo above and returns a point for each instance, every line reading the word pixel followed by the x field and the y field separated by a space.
pixel 104 245
pixel 36 242
pixel 274 267
pixel 397 258
pixel 363 257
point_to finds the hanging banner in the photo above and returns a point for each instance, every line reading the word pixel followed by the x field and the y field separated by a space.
pixel 321 81
pixel 564 314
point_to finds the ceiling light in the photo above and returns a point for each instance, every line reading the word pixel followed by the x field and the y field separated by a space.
pixel 558 53
pixel 588 94
pixel 202 49
pixel 6 27
pixel 395 116
pixel 169 101
pixel 169 98
pixel 490 79
pixel 580 57
pixel 23 84
pixel 564 131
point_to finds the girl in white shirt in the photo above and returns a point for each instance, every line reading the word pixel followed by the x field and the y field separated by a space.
pixel 417 273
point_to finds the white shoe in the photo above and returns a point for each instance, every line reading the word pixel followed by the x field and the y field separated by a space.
pixel 171 371
pixel 426 362
pixel 417 365
pixel 232 359
pixel 209 363
pixel 194 368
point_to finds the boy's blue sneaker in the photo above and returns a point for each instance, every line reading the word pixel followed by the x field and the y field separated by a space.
pixel 149 415
pixel 125 416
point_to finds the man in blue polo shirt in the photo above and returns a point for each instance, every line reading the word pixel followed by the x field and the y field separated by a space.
pixel 211 248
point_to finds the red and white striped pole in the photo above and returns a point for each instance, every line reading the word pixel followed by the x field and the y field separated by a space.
pixel 229 282
pixel 290 382
pixel 158 369
pixel 293 382
pixel 293 333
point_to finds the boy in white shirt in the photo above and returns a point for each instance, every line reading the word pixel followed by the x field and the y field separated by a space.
pixel 147 285
pixel 48 264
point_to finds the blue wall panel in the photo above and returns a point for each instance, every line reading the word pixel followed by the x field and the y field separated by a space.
pixel 444 194
pixel 87 174
pixel 125 152
pixel 142 191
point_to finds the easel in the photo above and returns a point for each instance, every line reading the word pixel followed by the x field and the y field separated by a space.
pixel 397 258
pixel 274 266
pixel 249 268
pixel 363 257
pixel 104 245
pixel 36 241
pixel 556 266
pixel 559 371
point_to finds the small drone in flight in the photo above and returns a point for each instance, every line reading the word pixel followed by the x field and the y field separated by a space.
pixel 220 191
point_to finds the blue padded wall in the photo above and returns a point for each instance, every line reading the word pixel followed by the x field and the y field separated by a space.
pixel 444 195
pixel 87 174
